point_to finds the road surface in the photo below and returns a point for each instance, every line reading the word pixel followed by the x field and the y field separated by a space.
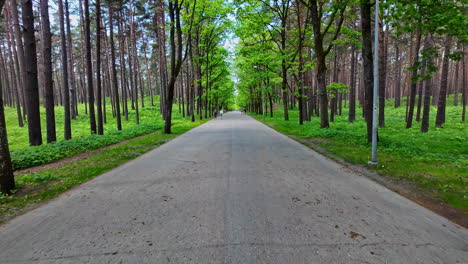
pixel 232 191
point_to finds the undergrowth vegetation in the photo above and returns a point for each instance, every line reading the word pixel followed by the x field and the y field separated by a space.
pixel 38 155
pixel 24 156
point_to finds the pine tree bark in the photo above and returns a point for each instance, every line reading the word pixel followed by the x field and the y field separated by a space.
pixel 7 181
pixel 398 75
pixel 70 64
pixel 352 90
pixel 160 25
pixel 148 73
pixel 333 93
pixel 135 66
pixel 89 69
pixel 16 70
pixel 420 96
pixel 465 81
pixel 113 69
pixel 414 73
pixel 100 125
pixel 428 88
pixel 456 81
pixel 368 77
pixel 301 79
pixel 123 75
pixel 66 92
pixel 441 104
pixel 20 51
pixel 31 84
pixel 48 82
pixel 383 40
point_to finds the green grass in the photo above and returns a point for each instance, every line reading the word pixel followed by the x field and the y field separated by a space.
pixel 24 156
pixel 18 136
pixel 436 161
pixel 33 189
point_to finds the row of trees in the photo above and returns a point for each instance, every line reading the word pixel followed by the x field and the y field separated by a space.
pixel 318 55
pixel 110 58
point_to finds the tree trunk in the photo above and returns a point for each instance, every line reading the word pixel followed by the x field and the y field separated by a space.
pixel 321 71
pixel 20 51
pixel 333 93
pixel 301 79
pixel 89 69
pixel 48 82
pixel 176 59
pixel 414 73
pixel 420 95
pixel 284 84
pixel 383 42
pixel 455 82
pixel 368 78
pixel 160 25
pixel 352 90
pixel 136 66
pixel 428 88
pixel 7 180
pixel 465 89
pixel 398 76
pixel 100 125
pixel 66 94
pixel 123 67
pixel 32 85
pixel 16 71
pixel 441 104
pixel 70 64
pixel 114 71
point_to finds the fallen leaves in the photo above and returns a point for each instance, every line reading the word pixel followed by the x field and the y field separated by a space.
pixel 353 235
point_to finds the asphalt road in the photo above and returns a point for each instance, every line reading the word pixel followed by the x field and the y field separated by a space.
pixel 232 191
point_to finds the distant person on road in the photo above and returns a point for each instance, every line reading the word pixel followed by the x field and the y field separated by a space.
pixel 221 114
pixel 215 113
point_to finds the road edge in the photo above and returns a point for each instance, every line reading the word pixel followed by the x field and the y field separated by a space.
pixel 456 216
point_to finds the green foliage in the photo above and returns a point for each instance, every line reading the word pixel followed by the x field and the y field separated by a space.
pixel 36 178
pixel 24 156
pixel 38 155
pixel 429 16
pixel 4 198
pixel 211 27
pixel 349 36
pixel 337 88
pixel 258 59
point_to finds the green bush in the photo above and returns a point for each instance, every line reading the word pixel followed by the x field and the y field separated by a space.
pixel 39 155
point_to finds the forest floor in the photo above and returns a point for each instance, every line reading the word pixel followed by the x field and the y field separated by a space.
pixel 430 168
pixel 18 136
pixel 24 156
pixel 38 184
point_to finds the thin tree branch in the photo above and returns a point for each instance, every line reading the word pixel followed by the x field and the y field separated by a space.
pixel 338 29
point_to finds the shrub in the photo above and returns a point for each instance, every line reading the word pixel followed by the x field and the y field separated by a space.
pixel 39 155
